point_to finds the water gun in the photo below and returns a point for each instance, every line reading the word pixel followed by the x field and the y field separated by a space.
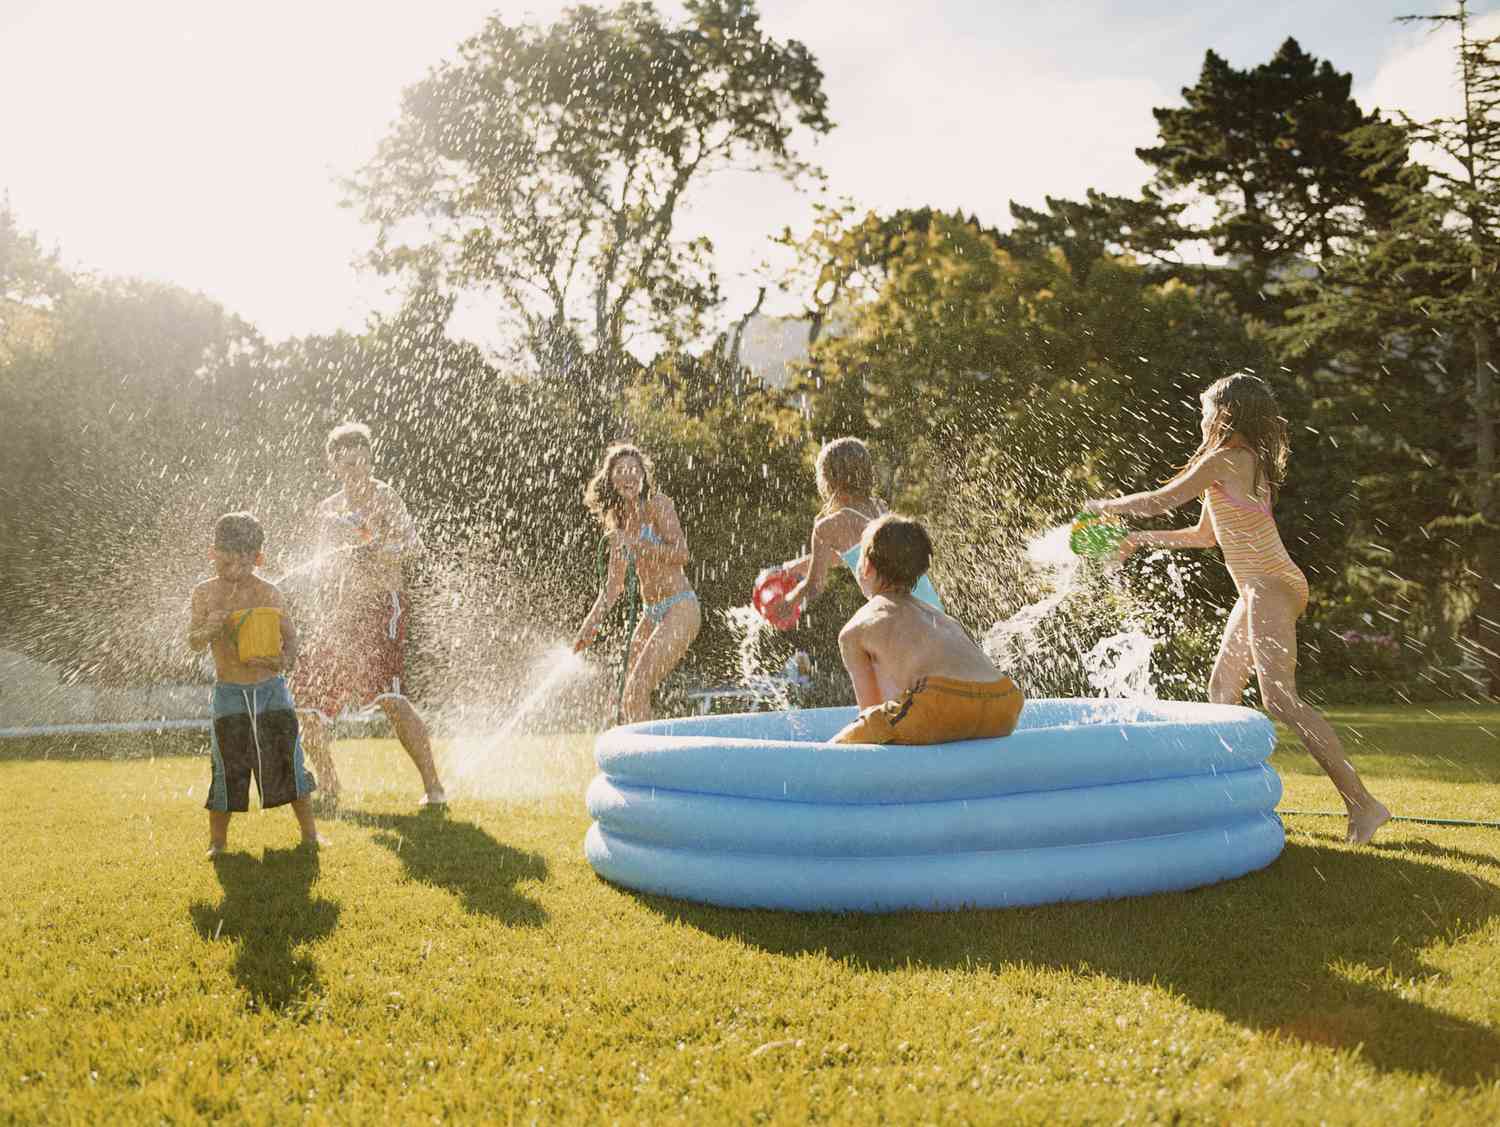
pixel 1096 537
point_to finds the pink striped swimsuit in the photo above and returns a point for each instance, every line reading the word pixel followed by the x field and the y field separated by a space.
pixel 1252 546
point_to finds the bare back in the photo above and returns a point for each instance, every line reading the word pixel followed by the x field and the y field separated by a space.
pixel 893 641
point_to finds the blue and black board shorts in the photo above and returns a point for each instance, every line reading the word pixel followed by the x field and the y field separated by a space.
pixel 255 734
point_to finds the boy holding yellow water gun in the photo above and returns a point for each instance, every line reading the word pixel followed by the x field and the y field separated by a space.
pixel 243 620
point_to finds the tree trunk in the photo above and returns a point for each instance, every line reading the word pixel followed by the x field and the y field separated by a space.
pixel 1484 425
pixel 1484 625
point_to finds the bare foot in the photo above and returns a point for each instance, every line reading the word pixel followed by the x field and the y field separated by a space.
pixel 317 841
pixel 1364 822
pixel 216 851
pixel 437 797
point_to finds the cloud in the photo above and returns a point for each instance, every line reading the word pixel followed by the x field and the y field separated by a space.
pixel 1420 74
pixel 933 114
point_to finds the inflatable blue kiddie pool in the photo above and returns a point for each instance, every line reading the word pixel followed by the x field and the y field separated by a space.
pixel 1085 800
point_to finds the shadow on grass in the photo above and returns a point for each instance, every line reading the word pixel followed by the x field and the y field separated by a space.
pixel 106 745
pixel 1266 951
pixel 462 858
pixel 269 907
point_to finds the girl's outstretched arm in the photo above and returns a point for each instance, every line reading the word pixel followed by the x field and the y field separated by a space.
pixel 1190 483
pixel 818 562
pixel 614 586
pixel 1201 535
pixel 798 567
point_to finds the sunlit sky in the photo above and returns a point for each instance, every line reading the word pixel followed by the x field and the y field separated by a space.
pixel 200 143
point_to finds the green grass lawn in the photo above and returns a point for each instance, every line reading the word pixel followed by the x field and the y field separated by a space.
pixel 472 966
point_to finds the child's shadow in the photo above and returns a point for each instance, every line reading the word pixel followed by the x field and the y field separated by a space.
pixel 268 907
pixel 1321 947
pixel 464 859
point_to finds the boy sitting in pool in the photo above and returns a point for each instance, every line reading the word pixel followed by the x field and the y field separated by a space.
pixel 918 677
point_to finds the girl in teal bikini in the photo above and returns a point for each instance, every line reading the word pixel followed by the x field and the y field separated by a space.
pixel 846 482
pixel 643 530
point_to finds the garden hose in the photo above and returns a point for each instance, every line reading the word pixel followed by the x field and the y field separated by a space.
pixel 1394 818
pixel 632 613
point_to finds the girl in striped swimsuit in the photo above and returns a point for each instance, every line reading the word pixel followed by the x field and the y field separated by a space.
pixel 1236 470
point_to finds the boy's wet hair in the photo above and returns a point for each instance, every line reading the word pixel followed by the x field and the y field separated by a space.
pixel 347 436
pixel 240 533
pixel 844 465
pixel 898 548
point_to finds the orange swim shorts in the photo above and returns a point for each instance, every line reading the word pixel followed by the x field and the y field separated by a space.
pixel 939 710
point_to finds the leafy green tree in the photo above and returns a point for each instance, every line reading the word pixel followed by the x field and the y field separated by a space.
pixel 1408 313
pixel 1269 149
pixel 549 165
pixel 1100 226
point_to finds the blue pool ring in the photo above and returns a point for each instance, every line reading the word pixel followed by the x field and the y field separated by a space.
pixel 1085 800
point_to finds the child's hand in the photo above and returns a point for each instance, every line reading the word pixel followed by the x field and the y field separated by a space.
pixel 273 664
pixel 1128 545
pixel 583 642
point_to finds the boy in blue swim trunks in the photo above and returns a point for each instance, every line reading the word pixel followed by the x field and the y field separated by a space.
pixel 243 620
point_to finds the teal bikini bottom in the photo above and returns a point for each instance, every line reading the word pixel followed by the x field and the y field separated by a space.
pixel 657 612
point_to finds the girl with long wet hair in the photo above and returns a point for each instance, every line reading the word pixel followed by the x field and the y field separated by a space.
pixel 642 531
pixel 1238 469
pixel 845 475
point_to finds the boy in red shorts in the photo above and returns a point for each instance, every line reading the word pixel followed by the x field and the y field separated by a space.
pixel 357 657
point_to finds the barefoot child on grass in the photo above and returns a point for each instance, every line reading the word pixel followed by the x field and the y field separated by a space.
pixel 1237 470
pixel 846 482
pixel 918 677
pixel 242 619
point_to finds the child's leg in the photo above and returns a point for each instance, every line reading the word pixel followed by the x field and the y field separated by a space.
pixel 660 649
pixel 317 744
pixel 414 739
pixel 302 807
pixel 1236 660
pixel 645 630
pixel 218 829
pixel 1273 634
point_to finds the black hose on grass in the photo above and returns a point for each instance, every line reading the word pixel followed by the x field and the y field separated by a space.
pixel 1394 818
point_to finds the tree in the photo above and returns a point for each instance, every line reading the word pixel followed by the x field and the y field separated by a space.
pixel 966 347
pixel 1269 148
pixel 1101 226
pixel 550 165
pixel 1410 309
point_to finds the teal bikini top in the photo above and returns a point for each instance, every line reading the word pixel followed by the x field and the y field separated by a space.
pixel 649 537
pixel 924 589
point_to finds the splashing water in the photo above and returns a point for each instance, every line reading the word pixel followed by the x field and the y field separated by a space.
pixel 1120 666
pixel 500 764
pixel 752 631
pixel 1048 553
pixel 1117 667
pixel 307 569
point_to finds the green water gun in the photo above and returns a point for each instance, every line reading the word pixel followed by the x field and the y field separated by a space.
pixel 1095 537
